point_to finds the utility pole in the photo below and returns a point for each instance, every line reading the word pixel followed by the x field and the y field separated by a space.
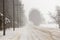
pixel 13 15
pixel 3 18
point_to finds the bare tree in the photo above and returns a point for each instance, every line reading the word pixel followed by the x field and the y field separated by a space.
pixel 54 17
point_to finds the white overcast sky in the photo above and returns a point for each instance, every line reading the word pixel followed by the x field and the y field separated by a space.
pixel 44 6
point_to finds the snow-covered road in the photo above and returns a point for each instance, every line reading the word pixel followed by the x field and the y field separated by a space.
pixel 31 33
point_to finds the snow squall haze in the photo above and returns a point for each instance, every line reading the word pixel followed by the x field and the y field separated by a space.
pixel 44 6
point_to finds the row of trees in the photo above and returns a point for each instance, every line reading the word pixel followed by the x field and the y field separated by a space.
pixel 36 17
pixel 12 9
